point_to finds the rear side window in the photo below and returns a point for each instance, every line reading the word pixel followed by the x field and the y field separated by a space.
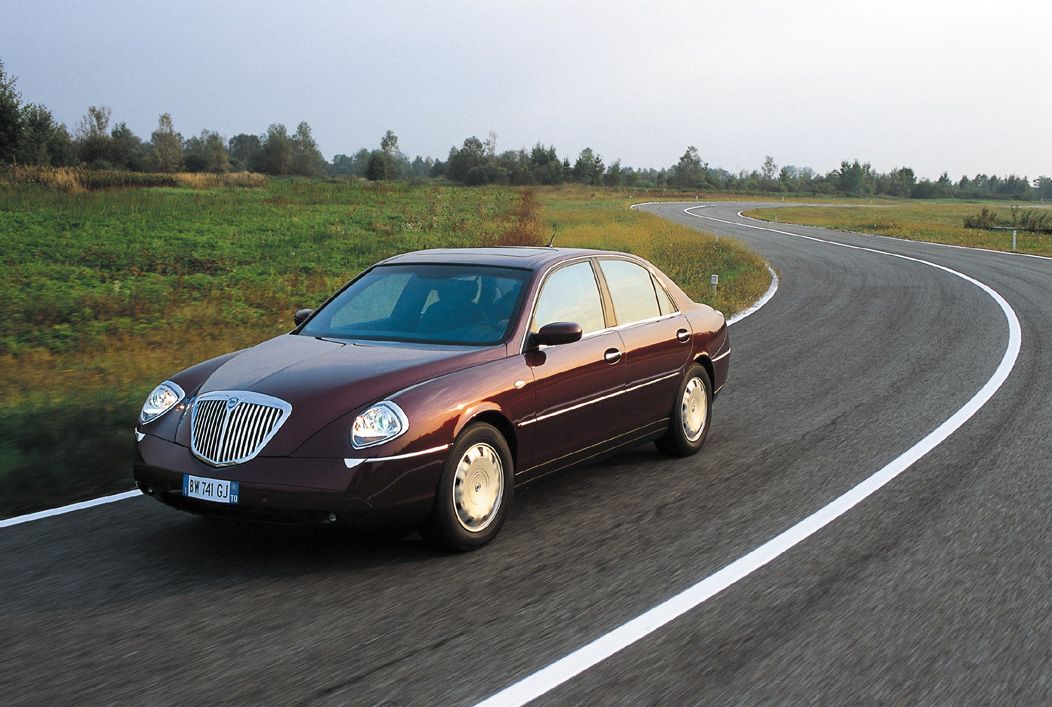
pixel 663 299
pixel 570 294
pixel 631 289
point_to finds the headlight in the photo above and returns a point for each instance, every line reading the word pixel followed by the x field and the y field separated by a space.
pixel 163 398
pixel 380 423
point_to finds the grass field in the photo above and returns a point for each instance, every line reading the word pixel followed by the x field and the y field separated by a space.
pixel 106 293
pixel 935 222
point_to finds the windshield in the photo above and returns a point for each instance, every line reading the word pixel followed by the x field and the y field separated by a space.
pixel 435 304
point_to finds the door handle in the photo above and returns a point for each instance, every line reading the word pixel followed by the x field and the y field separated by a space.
pixel 612 356
pixel 683 335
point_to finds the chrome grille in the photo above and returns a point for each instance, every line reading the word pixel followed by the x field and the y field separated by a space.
pixel 232 426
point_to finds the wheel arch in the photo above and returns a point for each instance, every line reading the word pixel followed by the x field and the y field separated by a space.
pixel 705 362
pixel 497 419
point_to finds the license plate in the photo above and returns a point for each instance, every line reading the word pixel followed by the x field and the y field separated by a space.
pixel 216 490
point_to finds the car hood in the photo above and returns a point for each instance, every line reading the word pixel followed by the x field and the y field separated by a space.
pixel 324 378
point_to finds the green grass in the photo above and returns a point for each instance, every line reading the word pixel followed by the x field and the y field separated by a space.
pixel 106 293
pixel 934 222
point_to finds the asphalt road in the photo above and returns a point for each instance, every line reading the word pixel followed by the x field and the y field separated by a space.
pixel 934 589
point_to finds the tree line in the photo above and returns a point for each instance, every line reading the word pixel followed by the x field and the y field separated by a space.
pixel 29 134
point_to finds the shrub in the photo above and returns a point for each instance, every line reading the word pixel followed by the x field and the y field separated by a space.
pixel 1029 219
pixel 1023 219
pixel 986 218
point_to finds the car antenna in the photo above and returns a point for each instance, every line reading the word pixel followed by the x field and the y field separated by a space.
pixel 551 241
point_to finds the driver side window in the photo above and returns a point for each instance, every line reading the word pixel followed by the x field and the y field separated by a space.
pixel 570 294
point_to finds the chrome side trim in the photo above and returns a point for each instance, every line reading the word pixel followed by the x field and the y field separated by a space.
pixel 351 463
pixel 571 408
pixel 648 320
pixel 721 356
pixel 637 386
pixel 598 400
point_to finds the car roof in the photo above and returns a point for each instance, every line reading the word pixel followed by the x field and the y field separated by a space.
pixel 526 257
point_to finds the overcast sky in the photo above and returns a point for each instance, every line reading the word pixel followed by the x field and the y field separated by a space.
pixel 942 85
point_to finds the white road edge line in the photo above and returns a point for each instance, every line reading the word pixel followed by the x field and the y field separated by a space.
pixel 760 302
pixel 562 670
pixel 18 520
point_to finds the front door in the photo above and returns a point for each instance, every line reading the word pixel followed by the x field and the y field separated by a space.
pixel 577 385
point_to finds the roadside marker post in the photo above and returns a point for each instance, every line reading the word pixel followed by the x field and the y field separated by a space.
pixel 1013 229
pixel 715 280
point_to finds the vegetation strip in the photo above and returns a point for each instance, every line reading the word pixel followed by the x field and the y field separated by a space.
pixel 939 222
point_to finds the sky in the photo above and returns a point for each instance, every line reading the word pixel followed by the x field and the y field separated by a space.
pixel 956 86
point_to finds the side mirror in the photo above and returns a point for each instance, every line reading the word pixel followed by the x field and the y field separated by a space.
pixel 301 316
pixel 557 333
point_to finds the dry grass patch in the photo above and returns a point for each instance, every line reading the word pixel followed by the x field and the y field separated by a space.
pixel 75 180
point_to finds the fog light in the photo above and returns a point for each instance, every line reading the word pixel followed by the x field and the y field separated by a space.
pixel 332 517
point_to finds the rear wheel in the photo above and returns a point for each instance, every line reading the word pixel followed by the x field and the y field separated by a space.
pixel 474 493
pixel 691 412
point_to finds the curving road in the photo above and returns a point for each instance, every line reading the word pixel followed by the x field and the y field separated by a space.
pixel 936 588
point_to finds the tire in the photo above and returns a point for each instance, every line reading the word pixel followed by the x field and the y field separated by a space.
pixel 688 429
pixel 474 493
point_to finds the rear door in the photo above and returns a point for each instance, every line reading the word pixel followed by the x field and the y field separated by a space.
pixel 656 338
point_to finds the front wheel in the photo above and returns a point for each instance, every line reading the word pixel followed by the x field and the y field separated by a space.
pixel 692 409
pixel 474 493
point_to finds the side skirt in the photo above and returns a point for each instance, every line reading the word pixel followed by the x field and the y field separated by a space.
pixel 631 438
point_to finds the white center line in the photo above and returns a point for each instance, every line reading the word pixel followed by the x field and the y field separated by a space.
pixel 564 669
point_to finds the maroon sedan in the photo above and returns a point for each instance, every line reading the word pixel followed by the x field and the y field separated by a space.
pixel 434 383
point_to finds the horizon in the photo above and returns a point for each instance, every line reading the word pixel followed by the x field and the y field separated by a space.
pixel 546 73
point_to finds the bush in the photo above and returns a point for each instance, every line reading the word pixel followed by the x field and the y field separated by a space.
pixel 1029 220
pixel 1023 219
pixel 986 219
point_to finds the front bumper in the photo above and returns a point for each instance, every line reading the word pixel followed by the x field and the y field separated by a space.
pixel 296 489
